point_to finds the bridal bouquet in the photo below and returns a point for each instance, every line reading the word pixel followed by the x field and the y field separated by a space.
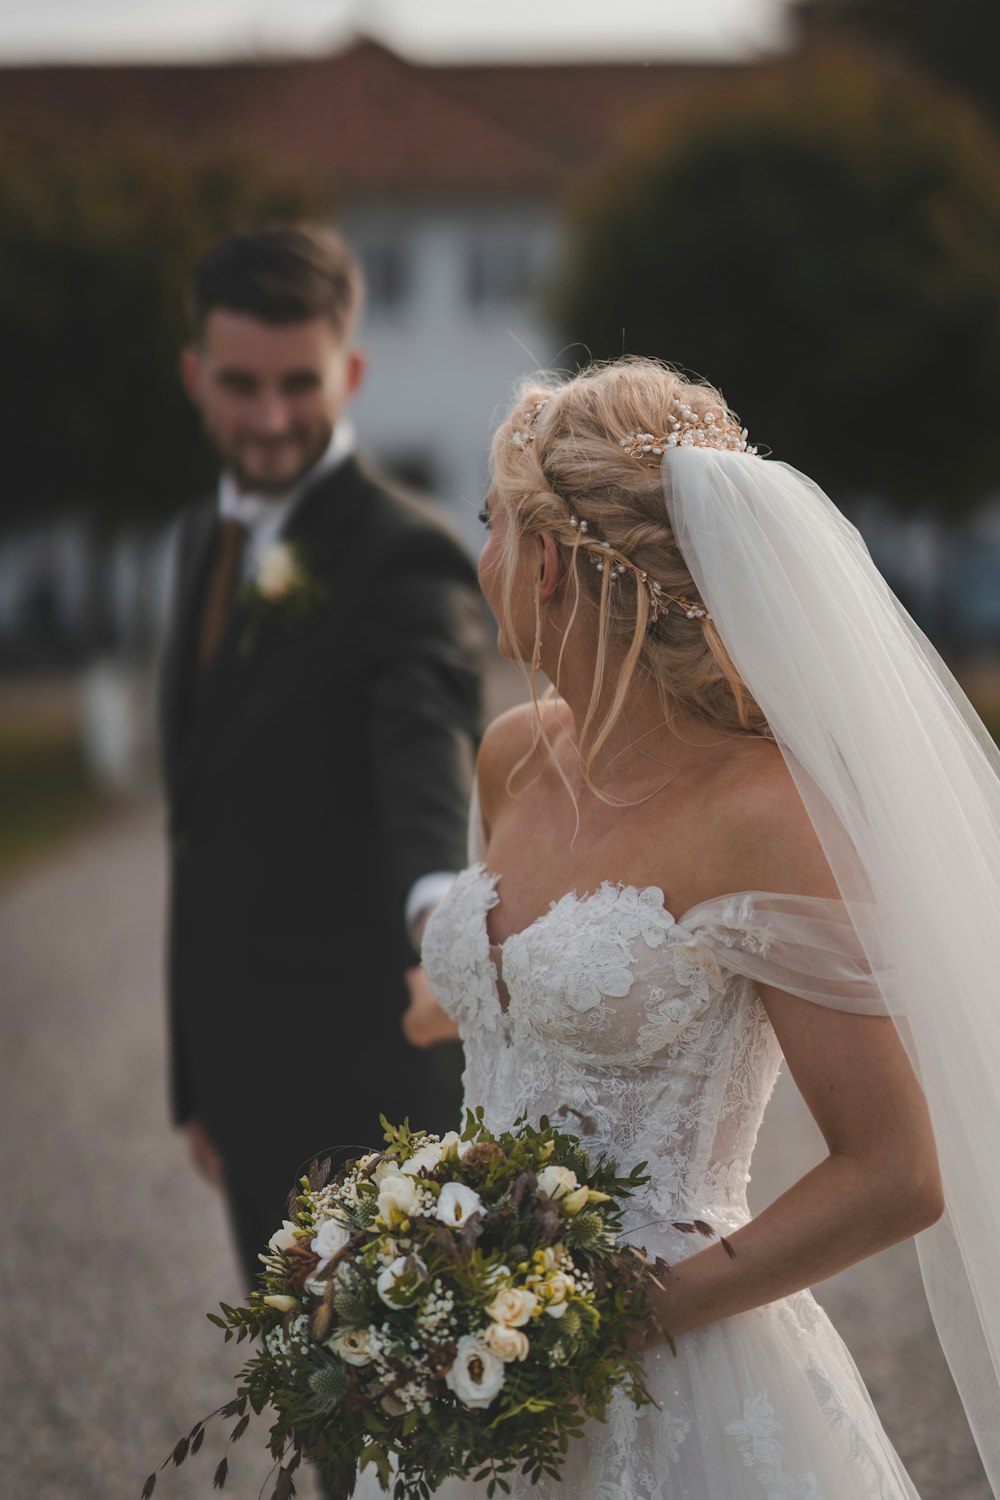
pixel 446 1307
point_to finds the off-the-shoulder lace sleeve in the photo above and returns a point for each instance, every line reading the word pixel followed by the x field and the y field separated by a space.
pixel 477 833
pixel 820 949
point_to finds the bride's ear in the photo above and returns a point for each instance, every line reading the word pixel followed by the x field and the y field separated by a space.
pixel 552 571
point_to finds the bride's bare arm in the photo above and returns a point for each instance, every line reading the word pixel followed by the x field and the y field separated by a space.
pixel 880 1181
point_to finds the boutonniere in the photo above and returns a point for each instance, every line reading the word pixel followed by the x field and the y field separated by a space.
pixel 282 590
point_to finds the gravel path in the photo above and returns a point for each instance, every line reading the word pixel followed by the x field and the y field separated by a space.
pixel 114 1250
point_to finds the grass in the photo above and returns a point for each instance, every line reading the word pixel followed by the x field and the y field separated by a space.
pixel 46 793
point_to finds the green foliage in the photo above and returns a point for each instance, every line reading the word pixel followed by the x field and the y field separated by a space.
pixel 353 1381
pixel 46 792
pixel 823 242
pixel 98 244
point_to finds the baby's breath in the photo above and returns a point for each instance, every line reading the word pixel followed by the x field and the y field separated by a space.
pixel 498 1290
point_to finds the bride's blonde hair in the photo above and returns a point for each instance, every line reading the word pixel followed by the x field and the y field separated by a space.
pixel 559 465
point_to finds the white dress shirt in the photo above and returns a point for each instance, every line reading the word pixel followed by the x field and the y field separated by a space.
pixel 266 516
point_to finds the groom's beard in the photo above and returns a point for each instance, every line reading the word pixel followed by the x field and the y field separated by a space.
pixel 270 466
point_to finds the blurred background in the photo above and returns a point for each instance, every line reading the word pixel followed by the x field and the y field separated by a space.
pixel 799 201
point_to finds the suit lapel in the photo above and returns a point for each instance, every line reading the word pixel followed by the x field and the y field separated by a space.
pixel 321 526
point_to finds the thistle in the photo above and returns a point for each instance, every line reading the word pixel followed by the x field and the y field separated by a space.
pixel 329 1384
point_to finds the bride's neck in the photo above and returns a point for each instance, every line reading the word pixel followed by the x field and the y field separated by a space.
pixel 640 740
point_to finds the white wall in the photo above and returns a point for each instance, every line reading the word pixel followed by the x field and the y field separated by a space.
pixel 441 370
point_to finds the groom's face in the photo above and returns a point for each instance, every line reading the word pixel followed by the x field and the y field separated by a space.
pixel 269 394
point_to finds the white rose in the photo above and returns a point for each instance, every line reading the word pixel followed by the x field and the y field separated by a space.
pixel 556 1182
pixel 281 1240
pixel 329 1239
pixel 354 1348
pixel 457 1203
pixel 477 1375
pixel 398 1197
pixel 507 1343
pixel 386 1283
pixel 427 1158
pixel 512 1307
pixel 277 571
pixel 556 1309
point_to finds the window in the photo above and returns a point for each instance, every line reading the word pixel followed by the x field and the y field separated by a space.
pixel 387 275
pixel 500 274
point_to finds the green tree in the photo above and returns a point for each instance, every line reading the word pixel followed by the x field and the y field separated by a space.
pixel 97 246
pixel 824 243
pixel 957 42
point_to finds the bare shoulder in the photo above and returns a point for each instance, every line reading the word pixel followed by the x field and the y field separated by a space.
pixel 513 739
pixel 771 842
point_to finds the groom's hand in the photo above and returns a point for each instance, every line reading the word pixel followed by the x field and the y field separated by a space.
pixel 204 1155
pixel 424 1022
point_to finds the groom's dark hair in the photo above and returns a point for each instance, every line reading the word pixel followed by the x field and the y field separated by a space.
pixel 285 273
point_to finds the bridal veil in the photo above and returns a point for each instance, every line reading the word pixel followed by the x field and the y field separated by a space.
pixel 902 783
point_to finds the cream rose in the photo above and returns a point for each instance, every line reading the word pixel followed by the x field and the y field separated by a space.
pixel 354 1348
pixel 457 1203
pixel 507 1343
pixel 477 1375
pixel 556 1182
pixel 278 571
pixel 398 1198
pixel 512 1307
pixel 558 1287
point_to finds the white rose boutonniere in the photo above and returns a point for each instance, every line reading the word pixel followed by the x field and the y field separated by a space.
pixel 278 572
pixel 282 590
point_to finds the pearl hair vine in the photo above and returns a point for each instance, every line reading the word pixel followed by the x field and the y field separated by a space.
pixel 689 430
pixel 607 560
pixel 522 436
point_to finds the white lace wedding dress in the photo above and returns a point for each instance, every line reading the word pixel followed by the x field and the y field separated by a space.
pixel 645 1036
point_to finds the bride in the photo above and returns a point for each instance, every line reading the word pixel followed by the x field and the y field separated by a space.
pixel 756 819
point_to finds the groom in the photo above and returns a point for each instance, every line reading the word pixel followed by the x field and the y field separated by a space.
pixel 320 706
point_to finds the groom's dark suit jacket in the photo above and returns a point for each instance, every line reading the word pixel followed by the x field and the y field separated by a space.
pixel 315 773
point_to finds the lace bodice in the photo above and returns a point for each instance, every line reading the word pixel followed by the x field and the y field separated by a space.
pixel 642 1033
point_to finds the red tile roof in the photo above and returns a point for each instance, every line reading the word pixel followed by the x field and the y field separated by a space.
pixel 366 119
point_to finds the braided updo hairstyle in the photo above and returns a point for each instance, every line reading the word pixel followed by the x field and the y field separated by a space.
pixel 557 462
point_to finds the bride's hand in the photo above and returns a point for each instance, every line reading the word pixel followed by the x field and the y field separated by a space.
pixel 424 1022
pixel 206 1159
pixel 655 1330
